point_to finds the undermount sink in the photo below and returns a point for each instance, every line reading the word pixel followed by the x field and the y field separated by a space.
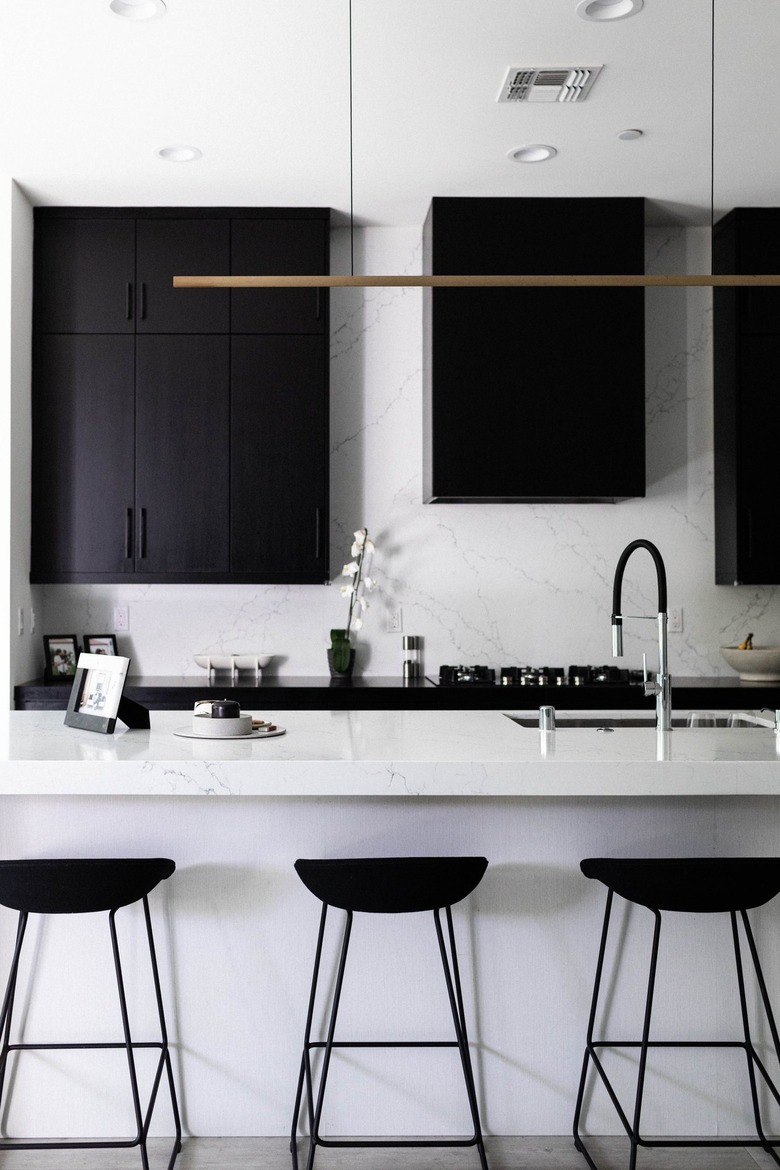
pixel 610 722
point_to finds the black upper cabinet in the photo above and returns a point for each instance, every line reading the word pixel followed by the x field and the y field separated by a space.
pixel 534 394
pixel 278 247
pixel 114 274
pixel 279 447
pixel 181 247
pixel 84 275
pixel 83 456
pixel 182 430
pixel 746 407
pixel 164 450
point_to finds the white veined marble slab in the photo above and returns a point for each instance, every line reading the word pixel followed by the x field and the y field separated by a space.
pixel 390 754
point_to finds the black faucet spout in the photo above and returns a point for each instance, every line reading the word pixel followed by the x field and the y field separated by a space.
pixel 660 572
pixel 662 687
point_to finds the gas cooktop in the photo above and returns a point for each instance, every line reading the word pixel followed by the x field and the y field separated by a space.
pixel 537 676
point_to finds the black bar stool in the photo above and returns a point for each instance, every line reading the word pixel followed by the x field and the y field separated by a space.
pixel 716 885
pixel 87 886
pixel 386 885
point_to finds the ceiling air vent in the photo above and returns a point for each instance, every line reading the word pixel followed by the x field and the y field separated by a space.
pixel 567 84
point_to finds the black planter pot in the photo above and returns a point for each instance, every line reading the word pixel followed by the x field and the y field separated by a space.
pixel 341 674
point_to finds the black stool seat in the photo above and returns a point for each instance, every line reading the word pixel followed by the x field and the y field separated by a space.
pixel 700 885
pixel 79 885
pixel 384 885
pixel 391 885
pixel 697 885
pixel 88 886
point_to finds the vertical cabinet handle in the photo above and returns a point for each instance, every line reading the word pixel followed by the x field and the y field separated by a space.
pixel 142 535
pixel 129 533
pixel 318 310
pixel 128 301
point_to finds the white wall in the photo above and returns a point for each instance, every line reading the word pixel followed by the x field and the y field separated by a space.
pixel 496 584
pixel 16 299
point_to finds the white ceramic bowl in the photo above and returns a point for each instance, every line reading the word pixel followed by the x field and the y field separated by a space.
pixel 761 664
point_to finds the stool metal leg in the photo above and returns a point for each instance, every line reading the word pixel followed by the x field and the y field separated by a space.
pixel 455 994
pixel 305 1077
pixel 143 1121
pixel 753 1060
pixel 305 1070
pixel 631 1128
pixel 8 1000
pixel 315 1111
pixel 128 1044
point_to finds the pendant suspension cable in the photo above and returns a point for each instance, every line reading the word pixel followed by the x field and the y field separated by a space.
pixel 351 152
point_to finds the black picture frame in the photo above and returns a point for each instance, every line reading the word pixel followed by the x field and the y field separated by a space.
pixel 100 644
pixel 96 693
pixel 62 652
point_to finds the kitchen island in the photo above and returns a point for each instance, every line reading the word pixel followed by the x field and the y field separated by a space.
pixel 236 928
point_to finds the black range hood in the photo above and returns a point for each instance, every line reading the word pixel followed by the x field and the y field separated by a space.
pixel 534 394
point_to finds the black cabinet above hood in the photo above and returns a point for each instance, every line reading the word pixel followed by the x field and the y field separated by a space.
pixel 534 394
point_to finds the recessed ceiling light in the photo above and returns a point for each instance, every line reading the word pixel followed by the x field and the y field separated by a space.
pixel 629 135
pixel 534 152
pixel 138 9
pixel 179 153
pixel 608 9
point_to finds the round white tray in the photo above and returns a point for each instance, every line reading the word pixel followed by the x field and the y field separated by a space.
pixel 256 733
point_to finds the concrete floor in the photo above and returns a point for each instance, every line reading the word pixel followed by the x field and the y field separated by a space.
pixel 504 1153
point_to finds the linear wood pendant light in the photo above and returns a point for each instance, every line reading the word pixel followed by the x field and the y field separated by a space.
pixel 524 280
pixel 626 280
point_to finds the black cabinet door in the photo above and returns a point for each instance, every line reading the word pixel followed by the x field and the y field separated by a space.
pixel 182 455
pixel 279 459
pixel 279 247
pixel 84 275
pixel 758 548
pixel 82 470
pixel 181 247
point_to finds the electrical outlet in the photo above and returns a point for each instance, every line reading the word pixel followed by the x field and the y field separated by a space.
pixel 20 620
pixel 32 621
pixel 395 621
pixel 121 619
pixel 675 624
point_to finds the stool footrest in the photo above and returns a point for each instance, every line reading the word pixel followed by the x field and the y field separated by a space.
pixel 407 1143
pixel 382 1044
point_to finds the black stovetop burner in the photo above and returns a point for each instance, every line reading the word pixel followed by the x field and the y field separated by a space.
pixel 539 676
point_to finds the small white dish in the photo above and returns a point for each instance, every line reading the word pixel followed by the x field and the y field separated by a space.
pixel 233 662
pixel 256 733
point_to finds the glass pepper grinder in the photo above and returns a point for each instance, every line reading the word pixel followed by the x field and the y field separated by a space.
pixel 412 656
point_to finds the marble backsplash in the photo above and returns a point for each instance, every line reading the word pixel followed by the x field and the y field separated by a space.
pixel 495 584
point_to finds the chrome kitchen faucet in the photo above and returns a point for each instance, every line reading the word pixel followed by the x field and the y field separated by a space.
pixel 661 686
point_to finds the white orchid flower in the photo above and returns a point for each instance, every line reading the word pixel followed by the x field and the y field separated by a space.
pixel 357 623
pixel 360 536
pixel 369 583
pixel 350 569
pixel 346 590
pixel 362 603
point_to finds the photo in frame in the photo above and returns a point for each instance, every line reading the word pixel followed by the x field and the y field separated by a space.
pixel 97 692
pixel 100 644
pixel 62 653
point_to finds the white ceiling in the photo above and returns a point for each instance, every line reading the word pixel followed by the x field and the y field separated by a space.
pixel 262 88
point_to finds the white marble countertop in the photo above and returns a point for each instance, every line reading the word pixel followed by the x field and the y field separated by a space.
pixel 387 753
